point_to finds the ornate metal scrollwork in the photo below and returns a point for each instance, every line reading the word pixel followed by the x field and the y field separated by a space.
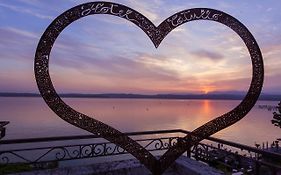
pixel 70 152
pixel 156 35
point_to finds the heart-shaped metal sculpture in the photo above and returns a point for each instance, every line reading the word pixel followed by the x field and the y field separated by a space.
pixel 156 34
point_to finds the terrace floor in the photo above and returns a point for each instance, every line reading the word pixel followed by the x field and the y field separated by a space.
pixel 182 166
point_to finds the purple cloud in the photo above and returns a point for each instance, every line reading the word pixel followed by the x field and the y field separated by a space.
pixel 204 54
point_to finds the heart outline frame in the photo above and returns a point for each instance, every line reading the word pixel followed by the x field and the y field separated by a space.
pixel 156 35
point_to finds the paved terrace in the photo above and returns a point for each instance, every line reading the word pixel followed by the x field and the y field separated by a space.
pixel 182 166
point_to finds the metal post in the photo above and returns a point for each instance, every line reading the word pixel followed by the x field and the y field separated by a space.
pixel 188 152
pixel 257 168
pixel 3 132
pixel 3 129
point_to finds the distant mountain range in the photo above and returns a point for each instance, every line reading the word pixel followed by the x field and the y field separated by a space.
pixel 214 96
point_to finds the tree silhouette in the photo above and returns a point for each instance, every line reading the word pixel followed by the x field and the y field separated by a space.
pixel 277 116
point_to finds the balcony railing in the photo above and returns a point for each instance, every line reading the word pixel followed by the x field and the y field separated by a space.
pixel 2 128
pixel 216 152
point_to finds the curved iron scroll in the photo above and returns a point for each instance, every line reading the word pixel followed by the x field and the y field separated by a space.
pixel 156 35
pixel 79 151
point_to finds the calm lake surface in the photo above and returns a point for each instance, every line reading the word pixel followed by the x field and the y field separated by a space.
pixel 31 117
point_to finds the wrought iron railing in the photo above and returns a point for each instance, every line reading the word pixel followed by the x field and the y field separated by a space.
pixel 2 128
pixel 214 151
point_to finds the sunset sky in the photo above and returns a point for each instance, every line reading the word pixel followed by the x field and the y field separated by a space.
pixel 107 54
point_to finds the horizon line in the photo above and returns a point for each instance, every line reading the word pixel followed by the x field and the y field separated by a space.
pixel 209 96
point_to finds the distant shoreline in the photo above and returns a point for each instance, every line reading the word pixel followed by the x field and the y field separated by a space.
pixel 269 97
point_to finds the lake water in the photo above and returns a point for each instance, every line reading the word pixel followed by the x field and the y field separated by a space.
pixel 31 117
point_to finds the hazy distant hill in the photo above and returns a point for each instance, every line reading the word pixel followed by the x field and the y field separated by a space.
pixel 216 95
